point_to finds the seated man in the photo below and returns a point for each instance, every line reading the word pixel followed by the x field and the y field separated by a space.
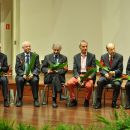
pixel 82 62
pixel 55 76
pixel 114 63
pixel 27 70
pixel 3 79
pixel 128 85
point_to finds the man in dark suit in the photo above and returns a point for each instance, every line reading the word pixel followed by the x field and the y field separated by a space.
pixel 128 86
pixel 82 63
pixel 27 70
pixel 114 62
pixel 55 77
pixel 3 79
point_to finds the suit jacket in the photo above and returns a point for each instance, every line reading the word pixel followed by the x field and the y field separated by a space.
pixel 128 67
pixel 20 65
pixel 48 60
pixel 3 63
pixel 90 62
pixel 117 64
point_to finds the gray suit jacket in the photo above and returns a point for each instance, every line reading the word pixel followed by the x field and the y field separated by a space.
pixel 48 60
pixel 90 62
pixel 128 67
pixel 20 65
pixel 117 64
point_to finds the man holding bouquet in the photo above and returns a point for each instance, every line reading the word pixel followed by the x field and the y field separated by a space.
pixel 27 70
pixel 83 63
pixel 54 67
pixel 114 64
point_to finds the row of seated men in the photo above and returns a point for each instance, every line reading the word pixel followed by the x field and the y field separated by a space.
pixel 28 68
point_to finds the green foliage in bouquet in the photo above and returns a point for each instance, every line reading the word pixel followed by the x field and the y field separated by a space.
pixel 87 74
pixel 6 125
pixel 31 64
pixel 23 126
pixel 107 69
pixel 58 66
pixel 120 121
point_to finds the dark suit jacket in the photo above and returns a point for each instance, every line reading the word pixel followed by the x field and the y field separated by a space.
pixel 128 67
pixel 117 64
pixel 90 62
pixel 3 63
pixel 48 60
pixel 20 65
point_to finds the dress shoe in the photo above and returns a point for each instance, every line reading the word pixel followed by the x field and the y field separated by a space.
pixel 6 104
pixel 36 103
pixel 114 105
pixel 62 97
pixel 19 103
pixel 86 103
pixel 73 103
pixel 54 105
pixel 44 103
pixel 127 106
pixel 97 105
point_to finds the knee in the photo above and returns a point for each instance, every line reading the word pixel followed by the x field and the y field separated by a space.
pixel 35 80
pixel 4 79
pixel 127 85
pixel 117 85
pixel 19 79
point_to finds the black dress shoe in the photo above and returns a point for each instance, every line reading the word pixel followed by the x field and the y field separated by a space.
pixel 36 103
pixel 19 103
pixel 86 103
pixel 6 104
pixel 127 106
pixel 54 105
pixel 62 97
pixel 114 105
pixel 97 105
pixel 73 103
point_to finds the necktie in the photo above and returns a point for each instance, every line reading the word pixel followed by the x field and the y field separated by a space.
pixel 27 58
pixel 111 60
pixel 56 58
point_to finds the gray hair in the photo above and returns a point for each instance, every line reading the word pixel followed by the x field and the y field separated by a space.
pixel 25 42
pixel 83 41
pixel 57 45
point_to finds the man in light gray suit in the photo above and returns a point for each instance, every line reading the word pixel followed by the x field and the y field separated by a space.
pixel 23 75
pixel 114 62
pixel 55 77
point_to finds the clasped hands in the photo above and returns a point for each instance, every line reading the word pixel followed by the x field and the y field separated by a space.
pixel 82 83
pixel 28 77
pixel 110 74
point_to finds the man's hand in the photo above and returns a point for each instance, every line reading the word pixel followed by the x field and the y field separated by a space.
pixel 29 77
pixel 107 76
pixel 50 71
pixel 112 73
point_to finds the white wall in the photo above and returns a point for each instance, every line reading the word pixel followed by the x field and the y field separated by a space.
pixel 44 22
pixel 116 26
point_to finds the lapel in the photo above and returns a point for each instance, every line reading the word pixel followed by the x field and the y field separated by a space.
pixel 51 58
pixel 114 60
pixel 79 60
pixel 106 60
pixel 87 60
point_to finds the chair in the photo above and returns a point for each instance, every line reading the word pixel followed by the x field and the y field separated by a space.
pixel 46 92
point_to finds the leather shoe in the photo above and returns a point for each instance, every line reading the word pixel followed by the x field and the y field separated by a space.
pixel 54 105
pixel 97 105
pixel 127 106
pixel 36 103
pixel 62 97
pixel 19 103
pixel 114 105
pixel 86 103
pixel 6 104
pixel 73 103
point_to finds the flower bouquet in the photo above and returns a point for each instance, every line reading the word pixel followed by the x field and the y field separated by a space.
pixel 101 65
pixel 31 64
pixel 58 66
